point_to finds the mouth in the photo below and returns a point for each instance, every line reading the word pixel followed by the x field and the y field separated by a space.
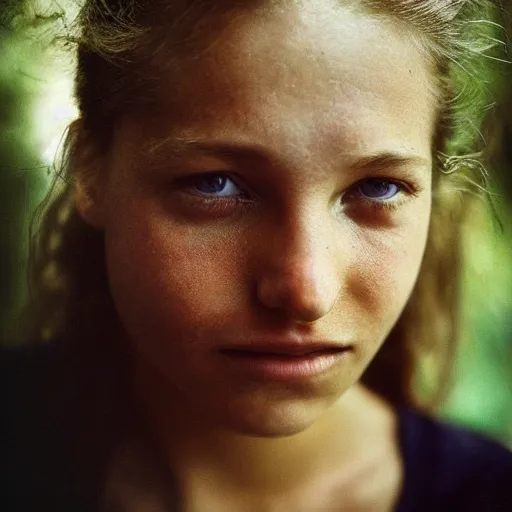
pixel 284 363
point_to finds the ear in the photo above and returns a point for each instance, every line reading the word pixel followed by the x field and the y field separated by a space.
pixel 89 179
pixel 89 199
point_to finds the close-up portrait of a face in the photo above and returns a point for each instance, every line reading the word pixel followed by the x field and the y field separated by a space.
pixel 257 256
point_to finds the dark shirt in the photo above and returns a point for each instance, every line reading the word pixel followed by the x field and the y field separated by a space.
pixel 65 413
pixel 451 469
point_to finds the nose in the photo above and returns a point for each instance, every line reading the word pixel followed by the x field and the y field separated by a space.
pixel 302 270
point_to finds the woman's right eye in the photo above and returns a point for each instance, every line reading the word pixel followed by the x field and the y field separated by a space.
pixel 215 193
pixel 210 185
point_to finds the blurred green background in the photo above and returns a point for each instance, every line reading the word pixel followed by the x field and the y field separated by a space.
pixel 36 105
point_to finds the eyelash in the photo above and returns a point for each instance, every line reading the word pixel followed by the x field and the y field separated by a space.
pixel 227 203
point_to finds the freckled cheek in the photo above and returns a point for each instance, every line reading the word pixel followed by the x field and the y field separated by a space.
pixel 168 282
pixel 387 270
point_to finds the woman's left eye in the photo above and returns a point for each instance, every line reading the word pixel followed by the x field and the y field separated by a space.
pixel 378 189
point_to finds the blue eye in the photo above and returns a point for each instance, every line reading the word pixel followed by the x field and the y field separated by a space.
pixel 212 184
pixel 377 189
pixel 220 185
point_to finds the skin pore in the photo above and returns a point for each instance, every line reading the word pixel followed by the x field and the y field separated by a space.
pixel 296 113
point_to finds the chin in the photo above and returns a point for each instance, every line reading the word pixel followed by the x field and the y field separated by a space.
pixel 276 420
pixel 271 431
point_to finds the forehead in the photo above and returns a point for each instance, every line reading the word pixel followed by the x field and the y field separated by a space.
pixel 305 75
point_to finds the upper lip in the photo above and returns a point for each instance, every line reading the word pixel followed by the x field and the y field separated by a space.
pixel 286 348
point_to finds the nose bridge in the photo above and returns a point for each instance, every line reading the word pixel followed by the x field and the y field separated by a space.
pixel 301 275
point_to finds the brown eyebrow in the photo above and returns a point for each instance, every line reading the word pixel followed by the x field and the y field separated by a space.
pixel 389 159
pixel 180 146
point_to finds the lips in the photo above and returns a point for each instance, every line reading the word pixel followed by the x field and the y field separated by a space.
pixel 283 362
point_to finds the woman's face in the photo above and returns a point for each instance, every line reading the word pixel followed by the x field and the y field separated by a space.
pixel 316 124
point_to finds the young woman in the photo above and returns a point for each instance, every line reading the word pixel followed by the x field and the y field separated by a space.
pixel 254 238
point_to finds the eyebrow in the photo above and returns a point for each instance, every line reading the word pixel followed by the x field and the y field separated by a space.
pixel 183 147
pixel 380 160
pixel 388 159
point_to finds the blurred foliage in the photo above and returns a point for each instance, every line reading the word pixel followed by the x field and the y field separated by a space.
pixel 30 118
pixel 19 181
pixel 482 395
pixel 35 106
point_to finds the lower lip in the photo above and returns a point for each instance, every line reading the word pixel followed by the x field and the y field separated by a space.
pixel 282 367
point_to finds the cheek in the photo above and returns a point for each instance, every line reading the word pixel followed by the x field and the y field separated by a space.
pixel 380 284
pixel 168 283
pixel 388 266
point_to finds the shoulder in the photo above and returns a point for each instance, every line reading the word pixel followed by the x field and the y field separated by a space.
pixel 451 468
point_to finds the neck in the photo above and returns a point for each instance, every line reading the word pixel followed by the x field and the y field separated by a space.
pixel 344 439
